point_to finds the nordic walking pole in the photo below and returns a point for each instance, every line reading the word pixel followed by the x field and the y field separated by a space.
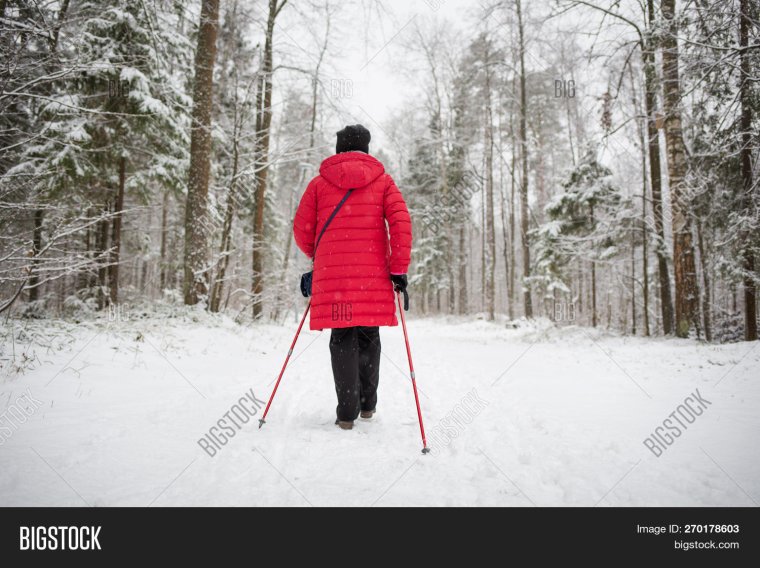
pixel 262 420
pixel 425 449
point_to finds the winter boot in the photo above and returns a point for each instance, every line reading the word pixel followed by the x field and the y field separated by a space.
pixel 367 414
pixel 345 424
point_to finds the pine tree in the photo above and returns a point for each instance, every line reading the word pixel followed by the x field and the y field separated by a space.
pixel 585 222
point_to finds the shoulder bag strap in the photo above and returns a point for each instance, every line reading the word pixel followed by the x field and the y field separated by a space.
pixel 330 218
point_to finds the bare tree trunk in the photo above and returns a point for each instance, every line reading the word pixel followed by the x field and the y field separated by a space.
pixel 633 284
pixel 288 244
pixel 196 207
pixel 644 233
pixel 102 248
pixel 683 249
pixel 490 236
pixel 263 125
pixel 750 292
pixel 93 232
pixel 227 84
pixel 505 238
pixel 609 309
pixel 113 269
pixel 34 280
pixel 512 248
pixel 593 276
pixel 581 289
pixel 645 256
pixel 524 219
pixel 650 99
pixel 483 266
pixel 706 299
pixel 463 307
pixel 593 293
pixel 225 247
pixel 447 235
pixel 164 231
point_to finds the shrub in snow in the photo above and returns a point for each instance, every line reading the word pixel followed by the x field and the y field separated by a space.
pixel 728 327
pixel 34 310
pixel 73 307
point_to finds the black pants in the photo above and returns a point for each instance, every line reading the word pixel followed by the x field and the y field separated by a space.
pixel 355 354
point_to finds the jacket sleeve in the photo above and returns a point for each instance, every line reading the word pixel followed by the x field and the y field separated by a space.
pixel 305 221
pixel 399 227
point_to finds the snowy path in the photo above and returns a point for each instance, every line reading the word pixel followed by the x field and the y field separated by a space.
pixel 567 410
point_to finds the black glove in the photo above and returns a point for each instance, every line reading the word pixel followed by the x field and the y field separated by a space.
pixel 399 285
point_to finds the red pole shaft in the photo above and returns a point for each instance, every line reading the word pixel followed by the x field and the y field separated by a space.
pixel 411 371
pixel 285 364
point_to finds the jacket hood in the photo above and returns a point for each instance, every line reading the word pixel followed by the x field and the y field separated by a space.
pixel 351 170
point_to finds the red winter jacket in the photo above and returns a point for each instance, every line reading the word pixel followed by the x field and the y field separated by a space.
pixel 355 257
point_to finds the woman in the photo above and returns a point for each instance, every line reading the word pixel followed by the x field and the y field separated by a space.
pixel 363 255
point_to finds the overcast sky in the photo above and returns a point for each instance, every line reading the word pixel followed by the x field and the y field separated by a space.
pixel 367 71
pixel 369 74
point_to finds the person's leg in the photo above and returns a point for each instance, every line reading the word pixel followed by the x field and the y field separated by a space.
pixel 344 353
pixel 369 366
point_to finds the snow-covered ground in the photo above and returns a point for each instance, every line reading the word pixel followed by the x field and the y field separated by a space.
pixel 537 415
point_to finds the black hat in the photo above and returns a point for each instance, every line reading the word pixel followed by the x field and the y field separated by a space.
pixel 353 138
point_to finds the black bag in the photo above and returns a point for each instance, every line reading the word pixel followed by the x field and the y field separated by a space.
pixel 306 277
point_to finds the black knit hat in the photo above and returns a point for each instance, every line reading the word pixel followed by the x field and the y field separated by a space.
pixel 353 138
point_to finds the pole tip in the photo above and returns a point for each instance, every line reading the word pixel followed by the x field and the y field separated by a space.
pixel 261 423
pixel 425 450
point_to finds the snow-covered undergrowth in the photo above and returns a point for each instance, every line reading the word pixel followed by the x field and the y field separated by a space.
pixel 109 411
